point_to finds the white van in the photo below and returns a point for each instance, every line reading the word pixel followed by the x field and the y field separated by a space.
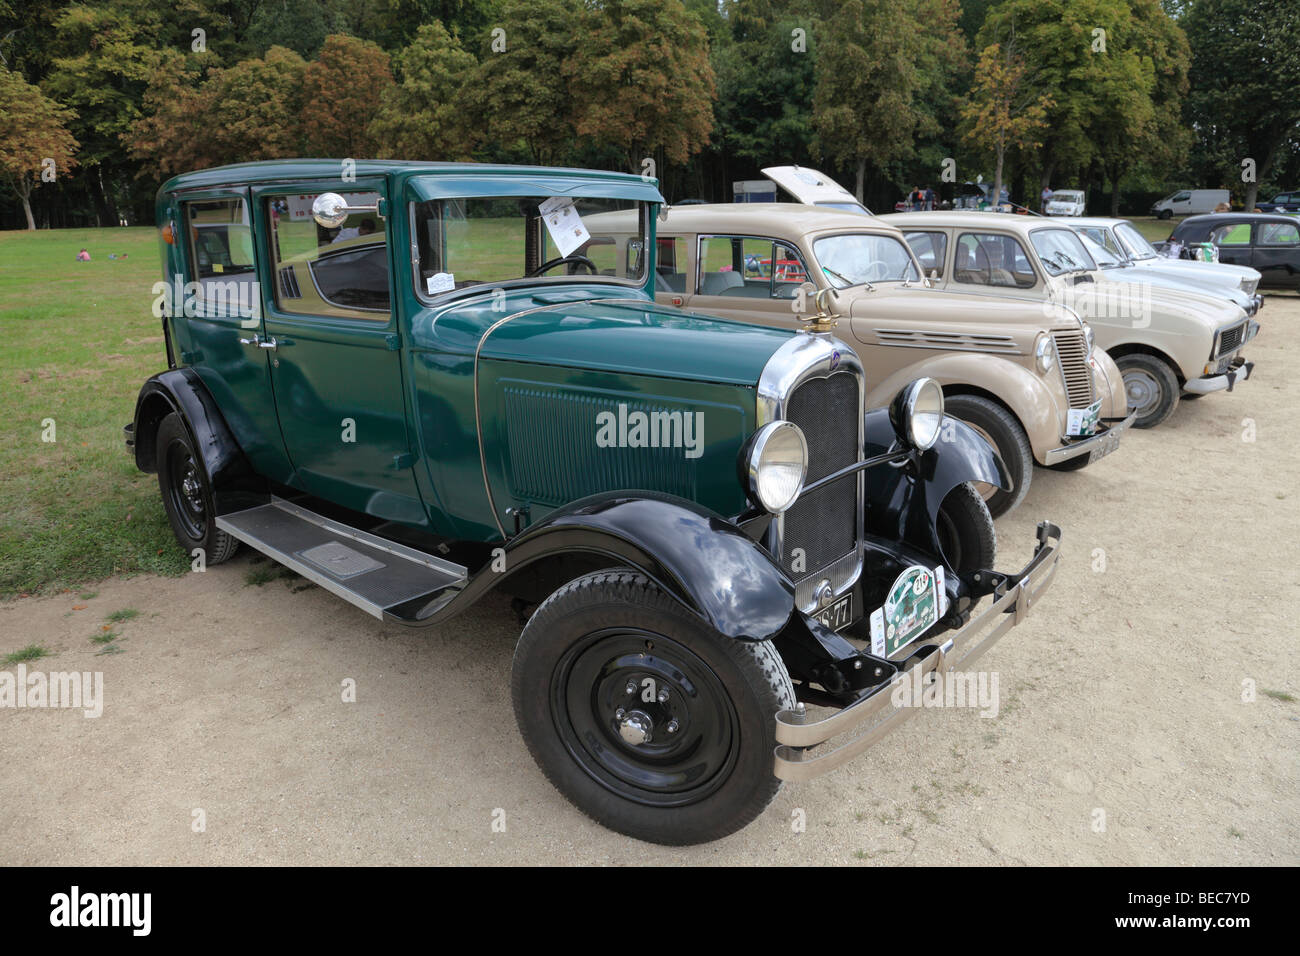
pixel 1189 202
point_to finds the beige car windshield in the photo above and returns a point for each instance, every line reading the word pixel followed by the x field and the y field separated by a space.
pixel 856 258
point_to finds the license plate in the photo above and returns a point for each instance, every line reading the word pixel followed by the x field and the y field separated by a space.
pixel 1082 422
pixel 1105 445
pixel 915 602
pixel 838 614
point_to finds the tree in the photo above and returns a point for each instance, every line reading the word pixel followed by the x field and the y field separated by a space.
pixel 1244 75
pixel 33 134
pixel 341 89
pixel 423 116
pixel 641 79
pixel 1004 110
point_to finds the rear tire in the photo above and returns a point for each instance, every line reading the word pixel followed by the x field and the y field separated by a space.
pixel 1008 438
pixel 187 494
pixel 683 757
pixel 966 532
pixel 1150 385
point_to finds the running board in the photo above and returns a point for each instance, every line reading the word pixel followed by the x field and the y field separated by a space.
pixel 375 574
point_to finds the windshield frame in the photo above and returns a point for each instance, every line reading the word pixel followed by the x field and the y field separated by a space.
pixel 1091 266
pixel 646 216
pixel 812 241
pixel 1137 255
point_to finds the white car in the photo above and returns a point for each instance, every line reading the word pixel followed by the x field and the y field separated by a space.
pixel 1123 240
pixel 1066 202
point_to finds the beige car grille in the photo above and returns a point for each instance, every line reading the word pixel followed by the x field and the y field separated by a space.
pixel 1072 352
pixel 956 341
pixel 1230 339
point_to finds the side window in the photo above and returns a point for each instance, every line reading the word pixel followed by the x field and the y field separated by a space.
pixel 749 267
pixel 339 272
pixel 1277 234
pixel 671 265
pixel 994 260
pixel 1237 234
pixel 931 248
pixel 1182 197
pixel 221 253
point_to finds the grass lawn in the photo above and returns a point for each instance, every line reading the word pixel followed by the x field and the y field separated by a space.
pixel 79 339
pixel 1155 230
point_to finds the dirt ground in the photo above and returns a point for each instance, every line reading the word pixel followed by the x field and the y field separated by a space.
pixel 1122 735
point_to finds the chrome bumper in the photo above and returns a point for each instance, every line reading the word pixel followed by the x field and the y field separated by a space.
pixel 795 733
pixel 1217 383
pixel 1104 442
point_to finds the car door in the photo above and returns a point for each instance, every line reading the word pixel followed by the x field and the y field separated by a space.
pixel 223 321
pixel 1275 253
pixel 1181 204
pixel 1233 242
pixel 335 349
pixel 748 278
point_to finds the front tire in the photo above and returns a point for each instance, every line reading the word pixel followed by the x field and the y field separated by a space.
pixel 1001 430
pixel 966 532
pixel 643 716
pixel 187 494
pixel 1151 386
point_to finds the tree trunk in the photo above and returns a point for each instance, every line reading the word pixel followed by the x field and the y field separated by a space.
pixel 1252 193
pixel 862 175
pixel 27 211
pixel 997 177
pixel 24 189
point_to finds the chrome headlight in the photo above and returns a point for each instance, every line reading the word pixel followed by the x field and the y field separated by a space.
pixel 1044 354
pixel 917 413
pixel 776 463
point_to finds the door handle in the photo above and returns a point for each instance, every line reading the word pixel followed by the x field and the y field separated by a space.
pixel 255 340
pixel 267 343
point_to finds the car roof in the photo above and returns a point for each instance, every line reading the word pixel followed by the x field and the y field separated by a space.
pixel 1214 218
pixel 1010 222
pixel 769 218
pixel 288 170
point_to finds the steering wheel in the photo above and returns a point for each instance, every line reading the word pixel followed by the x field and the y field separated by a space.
pixel 574 258
pixel 877 272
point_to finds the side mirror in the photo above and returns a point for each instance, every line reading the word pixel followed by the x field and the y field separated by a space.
pixel 663 212
pixel 331 210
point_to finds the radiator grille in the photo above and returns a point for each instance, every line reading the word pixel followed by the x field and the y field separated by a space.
pixel 823 524
pixel 1230 339
pixel 1072 352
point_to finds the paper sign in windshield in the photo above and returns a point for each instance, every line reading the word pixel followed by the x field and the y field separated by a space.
pixel 564 224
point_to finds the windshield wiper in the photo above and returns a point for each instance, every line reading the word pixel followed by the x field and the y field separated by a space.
pixel 847 284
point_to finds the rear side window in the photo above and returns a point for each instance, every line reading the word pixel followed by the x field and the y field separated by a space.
pixel 671 269
pixel 994 260
pixel 221 255
pixel 1278 234
pixel 339 272
pixel 931 248
pixel 748 267
pixel 1236 234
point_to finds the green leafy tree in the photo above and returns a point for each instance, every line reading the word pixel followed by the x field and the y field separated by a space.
pixel 423 115
pixel 33 135
pixel 1244 75
pixel 1004 110
pixel 342 88
pixel 641 80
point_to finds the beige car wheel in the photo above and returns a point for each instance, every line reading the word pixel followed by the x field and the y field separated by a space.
pixel 1003 431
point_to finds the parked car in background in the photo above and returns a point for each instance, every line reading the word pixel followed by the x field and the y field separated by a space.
pixel 701 511
pixel 1269 243
pixel 1025 377
pixel 1164 341
pixel 1118 269
pixel 1189 202
pixel 1282 202
pixel 1066 202
pixel 1123 240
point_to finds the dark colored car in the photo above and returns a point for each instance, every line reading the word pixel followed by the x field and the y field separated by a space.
pixel 424 381
pixel 1267 242
pixel 1282 202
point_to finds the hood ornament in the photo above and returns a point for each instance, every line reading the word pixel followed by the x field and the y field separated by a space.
pixel 824 319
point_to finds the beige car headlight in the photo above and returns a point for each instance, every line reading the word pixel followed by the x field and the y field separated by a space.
pixel 1044 353
pixel 776 464
pixel 917 413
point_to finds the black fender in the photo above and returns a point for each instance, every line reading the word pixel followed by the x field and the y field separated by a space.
pixel 704 561
pixel 903 497
pixel 182 390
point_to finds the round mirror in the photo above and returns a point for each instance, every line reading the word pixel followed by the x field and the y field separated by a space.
pixel 330 210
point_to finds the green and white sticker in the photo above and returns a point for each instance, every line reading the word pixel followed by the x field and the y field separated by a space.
pixel 916 601
pixel 1081 422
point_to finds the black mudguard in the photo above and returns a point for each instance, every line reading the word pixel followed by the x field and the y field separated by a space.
pixel 903 498
pixel 182 390
pixel 701 559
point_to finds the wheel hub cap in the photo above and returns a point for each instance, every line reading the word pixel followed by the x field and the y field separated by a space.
pixel 1141 390
pixel 636 728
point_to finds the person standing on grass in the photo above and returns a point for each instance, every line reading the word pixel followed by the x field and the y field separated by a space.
pixel 1046 197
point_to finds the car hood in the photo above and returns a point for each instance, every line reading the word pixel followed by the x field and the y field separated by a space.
pixel 1168 307
pixel 970 314
pixel 1224 273
pixel 1183 283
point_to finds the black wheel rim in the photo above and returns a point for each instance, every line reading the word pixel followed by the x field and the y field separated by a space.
pixel 185 489
pixel 597 694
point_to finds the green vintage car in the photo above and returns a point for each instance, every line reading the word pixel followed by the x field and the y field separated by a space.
pixel 417 383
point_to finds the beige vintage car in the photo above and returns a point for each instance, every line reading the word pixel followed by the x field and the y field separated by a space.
pixel 1165 341
pixel 1025 379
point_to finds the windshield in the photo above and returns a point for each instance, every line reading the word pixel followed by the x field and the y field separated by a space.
pixel 1067 195
pixel 863 257
pixel 469 242
pixel 1100 254
pixel 1135 242
pixel 1061 251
